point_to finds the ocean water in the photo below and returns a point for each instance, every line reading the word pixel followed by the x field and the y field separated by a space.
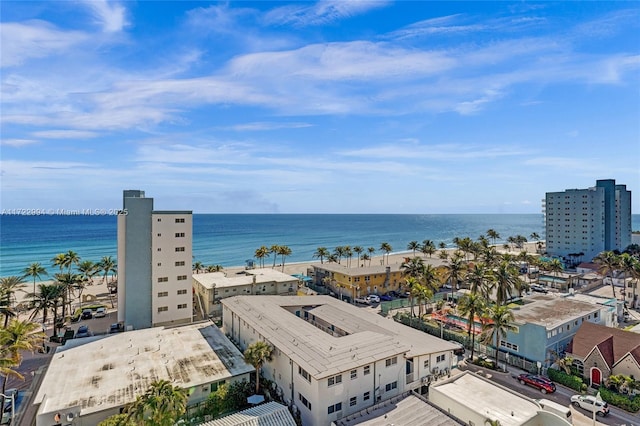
pixel 231 239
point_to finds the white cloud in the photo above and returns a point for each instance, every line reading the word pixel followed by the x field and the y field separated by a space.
pixel 17 142
pixel 111 16
pixel 34 39
pixel 320 13
pixel 265 125
pixel 65 134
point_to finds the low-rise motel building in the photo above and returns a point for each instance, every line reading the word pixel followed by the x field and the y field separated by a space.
pixel 212 287
pixel 353 282
pixel 93 378
pixel 332 359
pixel 475 400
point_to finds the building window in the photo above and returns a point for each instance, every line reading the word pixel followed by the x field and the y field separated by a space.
pixel 159 249
pixel 354 374
pixel 391 386
pixel 304 374
pixel 182 277
pixel 159 234
pixel 179 234
pixel 163 294
pixel 508 345
pixel 179 220
pixel 179 248
pixel 163 309
pixel 353 401
pixel 182 292
pixel 180 263
pixel 159 220
pixel 367 369
pixel 304 401
pixel 334 408
pixel 426 363
pixel 440 358
pixel 163 279
pixel 391 361
pixel 182 306
pixel 334 380
pixel 366 396
pixel 214 386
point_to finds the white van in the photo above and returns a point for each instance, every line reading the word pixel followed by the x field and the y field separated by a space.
pixel 555 408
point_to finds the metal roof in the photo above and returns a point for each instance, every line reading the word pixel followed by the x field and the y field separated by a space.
pixel 369 338
pixel 269 414
pixel 109 372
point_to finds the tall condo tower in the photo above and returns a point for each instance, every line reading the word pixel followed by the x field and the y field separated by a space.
pixel 154 264
pixel 588 221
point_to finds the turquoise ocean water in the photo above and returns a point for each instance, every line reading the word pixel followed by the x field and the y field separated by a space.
pixel 230 239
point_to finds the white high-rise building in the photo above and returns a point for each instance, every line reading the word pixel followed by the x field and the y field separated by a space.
pixel 154 264
pixel 585 222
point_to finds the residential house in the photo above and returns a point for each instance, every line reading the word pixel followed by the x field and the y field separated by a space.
pixel 599 352
pixel 349 283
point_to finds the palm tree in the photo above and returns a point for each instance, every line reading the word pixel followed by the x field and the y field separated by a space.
pixel 8 287
pixel 455 270
pixel 627 265
pixel 59 261
pixel 339 252
pixel 214 268
pixel 107 265
pixel 257 354
pixel 477 276
pixel 161 405
pixel 45 300
pixel 371 251
pixel 413 245
pixel 505 278
pixel 386 248
pixel 21 336
pixel 284 251
pixel 261 254
pixel 274 249
pixel 88 270
pixel 495 330
pixel 198 266
pixel 471 305
pixel 413 267
pixel 71 258
pixel 34 270
pixel 358 250
pixel 411 282
pixel 491 233
pixel 348 253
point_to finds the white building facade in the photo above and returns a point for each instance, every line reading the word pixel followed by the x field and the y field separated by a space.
pixel 332 359
pixel 154 264
pixel 588 221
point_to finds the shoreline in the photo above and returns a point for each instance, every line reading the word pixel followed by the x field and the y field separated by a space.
pixel 99 287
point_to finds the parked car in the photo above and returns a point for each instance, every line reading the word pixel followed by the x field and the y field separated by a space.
pixel 591 404
pixel 87 314
pixel 539 288
pixel 83 331
pixel 362 300
pixel 115 328
pixel 100 313
pixel 386 298
pixel 373 298
pixel 543 384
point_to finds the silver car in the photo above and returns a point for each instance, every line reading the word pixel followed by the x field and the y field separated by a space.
pixel 590 403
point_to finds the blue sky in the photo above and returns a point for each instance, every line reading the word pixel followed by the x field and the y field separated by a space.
pixel 317 107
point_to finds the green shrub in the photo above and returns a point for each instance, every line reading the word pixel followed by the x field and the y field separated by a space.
pixel 573 382
pixel 629 403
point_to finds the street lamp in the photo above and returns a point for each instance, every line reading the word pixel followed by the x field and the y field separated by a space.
pixel 595 407
pixel 13 406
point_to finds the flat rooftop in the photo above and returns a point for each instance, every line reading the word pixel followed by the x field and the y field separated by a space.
pixel 551 310
pixel 210 280
pixel 112 371
pixel 494 402
pixel 407 410
pixel 370 337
